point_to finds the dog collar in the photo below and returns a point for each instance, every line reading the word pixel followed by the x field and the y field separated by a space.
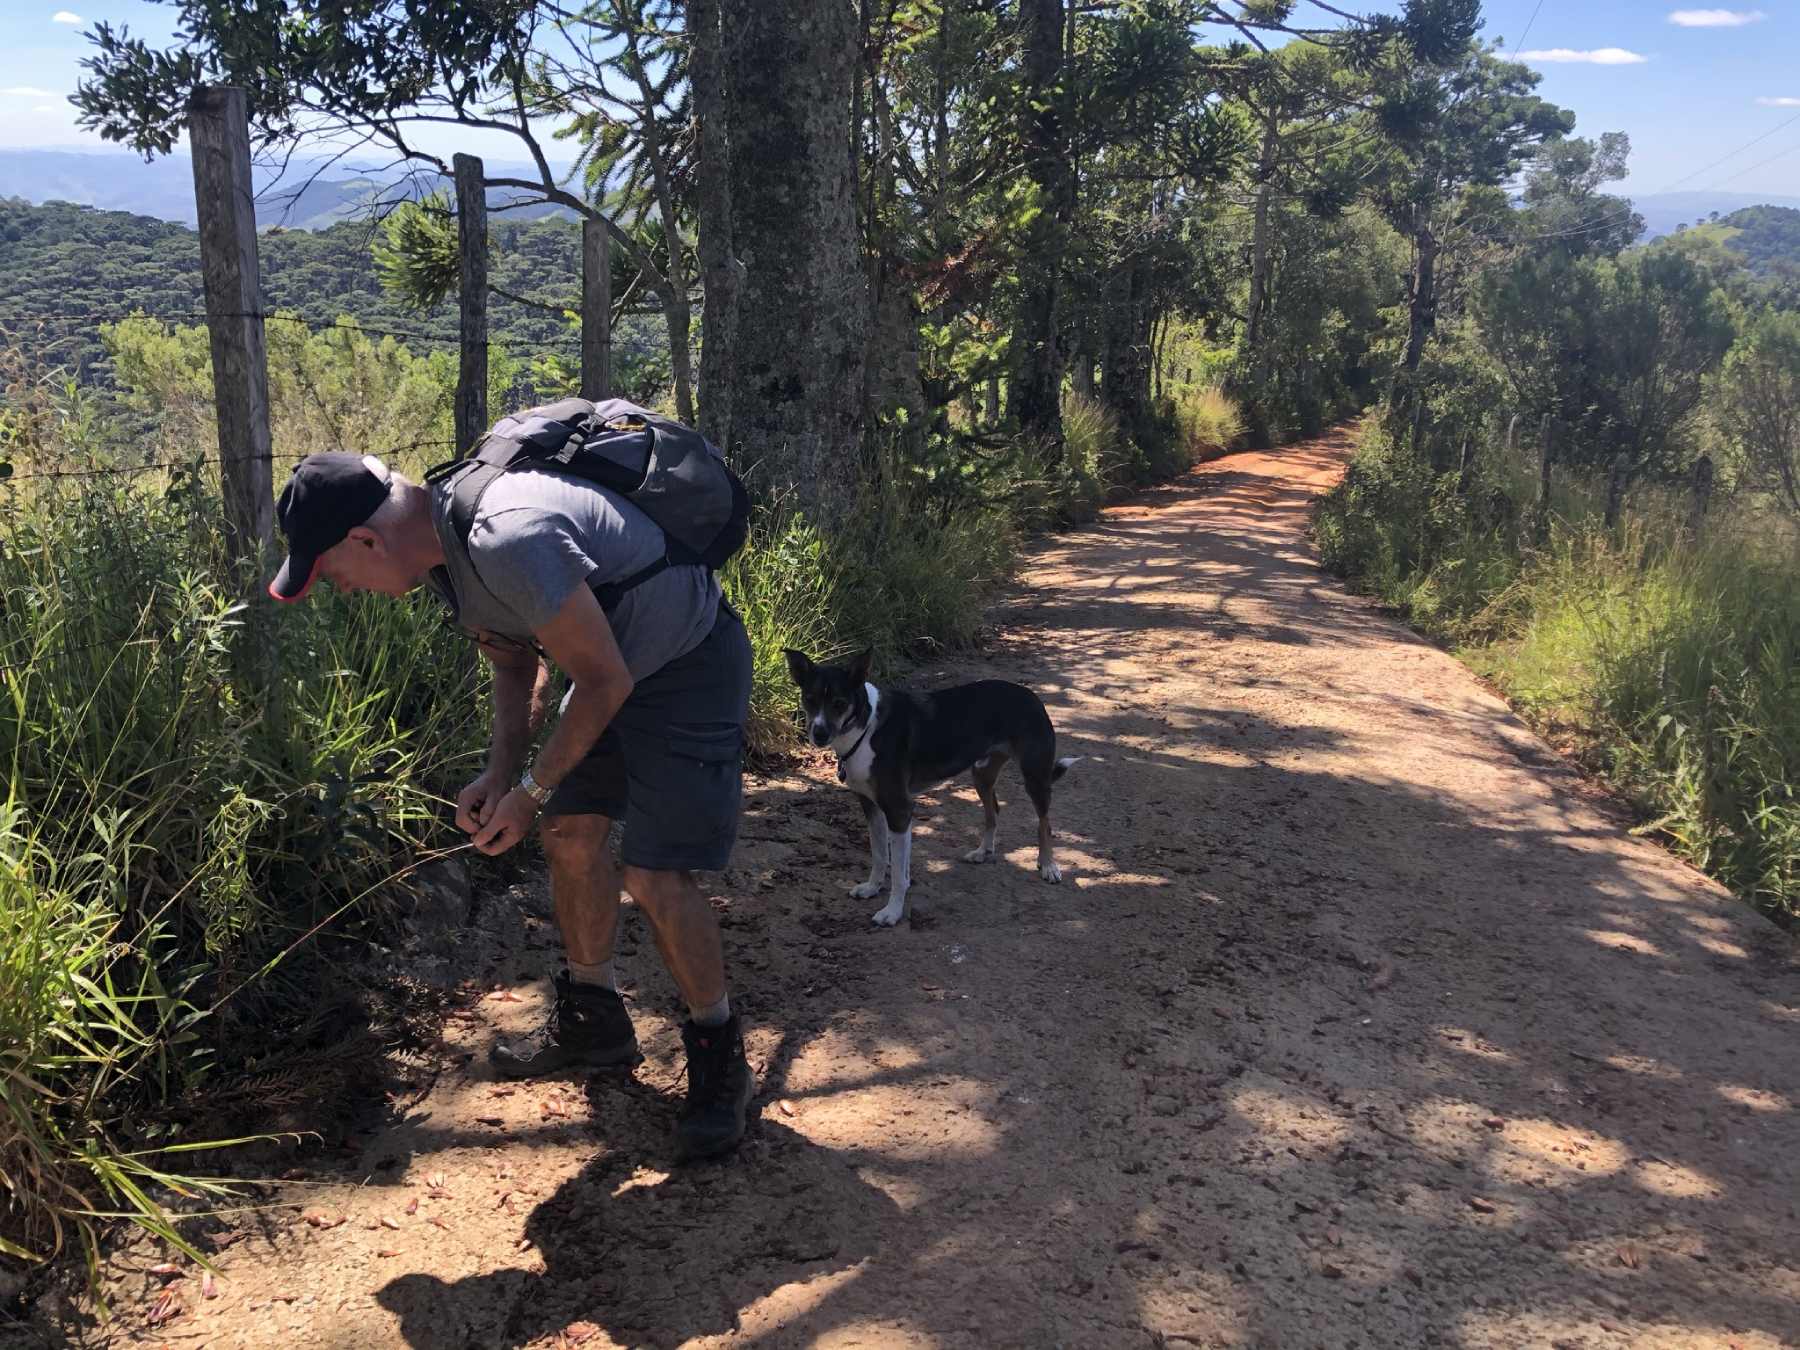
pixel 843 758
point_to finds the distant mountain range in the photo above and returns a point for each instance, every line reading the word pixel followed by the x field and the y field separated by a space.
pixel 307 195
pixel 315 194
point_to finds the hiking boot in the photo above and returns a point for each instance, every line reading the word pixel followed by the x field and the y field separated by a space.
pixel 720 1086
pixel 589 1029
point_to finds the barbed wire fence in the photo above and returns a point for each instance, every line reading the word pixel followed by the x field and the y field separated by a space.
pixel 22 331
pixel 17 331
pixel 237 319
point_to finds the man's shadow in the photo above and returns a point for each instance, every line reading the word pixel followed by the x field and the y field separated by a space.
pixel 659 1263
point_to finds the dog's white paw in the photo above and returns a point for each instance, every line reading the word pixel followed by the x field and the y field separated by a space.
pixel 888 917
pixel 865 890
pixel 1050 872
pixel 979 855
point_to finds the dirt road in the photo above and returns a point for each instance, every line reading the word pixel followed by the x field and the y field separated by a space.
pixel 1357 1022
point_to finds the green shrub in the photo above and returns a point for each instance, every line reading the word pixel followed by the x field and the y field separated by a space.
pixel 780 586
pixel 1096 457
pixel 1210 422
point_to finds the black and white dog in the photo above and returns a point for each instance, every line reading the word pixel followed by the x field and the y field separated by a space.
pixel 890 743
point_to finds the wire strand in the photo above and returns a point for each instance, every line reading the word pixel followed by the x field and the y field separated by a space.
pixel 317 326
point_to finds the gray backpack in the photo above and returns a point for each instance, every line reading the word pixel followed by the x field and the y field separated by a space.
pixel 670 472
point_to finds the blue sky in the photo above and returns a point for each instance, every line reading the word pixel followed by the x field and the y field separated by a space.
pixel 42 43
pixel 1689 92
pixel 1705 85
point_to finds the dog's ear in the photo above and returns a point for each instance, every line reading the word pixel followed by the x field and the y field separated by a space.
pixel 860 663
pixel 800 666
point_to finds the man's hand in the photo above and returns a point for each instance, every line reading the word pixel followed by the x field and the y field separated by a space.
pixel 507 823
pixel 476 803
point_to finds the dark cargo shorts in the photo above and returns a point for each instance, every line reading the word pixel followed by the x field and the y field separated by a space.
pixel 671 764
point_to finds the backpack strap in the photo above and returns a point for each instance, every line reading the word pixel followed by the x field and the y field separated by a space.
pixel 472 480
pixel 675 554
pixel 610 593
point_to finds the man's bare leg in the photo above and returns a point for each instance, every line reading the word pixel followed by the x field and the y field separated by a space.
pixel 584 884
pixel 719 1082
pixel 590 1029
pixel 687 935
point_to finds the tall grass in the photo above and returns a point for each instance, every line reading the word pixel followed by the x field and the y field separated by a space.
pixel 779 586
pixel 1209 421
pixel 1672 662
pixel 1680 668
pixel 189 785
pixel 1096 457
pixel 86 1020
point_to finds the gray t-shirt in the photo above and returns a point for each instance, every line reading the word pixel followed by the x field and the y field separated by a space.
pixel 539 534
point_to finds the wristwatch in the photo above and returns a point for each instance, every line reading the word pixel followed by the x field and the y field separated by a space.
pixel 534 789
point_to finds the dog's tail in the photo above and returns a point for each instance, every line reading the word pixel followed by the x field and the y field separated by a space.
pixel 1064 765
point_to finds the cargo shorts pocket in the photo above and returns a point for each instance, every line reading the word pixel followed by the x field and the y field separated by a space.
pixel 685 799
pixel 723 746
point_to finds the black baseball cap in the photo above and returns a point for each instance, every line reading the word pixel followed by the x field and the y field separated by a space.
pixel 329 495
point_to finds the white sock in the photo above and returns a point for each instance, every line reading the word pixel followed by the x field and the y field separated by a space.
pixel 600 973
pixel 713 1015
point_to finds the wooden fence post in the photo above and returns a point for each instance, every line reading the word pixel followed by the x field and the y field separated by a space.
pixel 219 139
pixel 471 238
pixel 596 311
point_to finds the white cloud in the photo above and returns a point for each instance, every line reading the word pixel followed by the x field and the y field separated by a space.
pixel 1716 18
pixel 1783 102
pixel 46 108
pixel 1600 56
pixel 63 16
pixel 27 91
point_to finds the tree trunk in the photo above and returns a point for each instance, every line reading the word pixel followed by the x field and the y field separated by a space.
pixel 679 318
pixel 892 359
pixel 218 130
pixel 1082 373
pixel 891 356
pixel 674 295
pixel 1540 527
pixel 1422 313
pixel 1259 245
pixel 721 274
pixel 1126 386
pixel 797 372
pixel 940 158
pixel 1790 482
pixel 1615 487
pixel 1037 373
